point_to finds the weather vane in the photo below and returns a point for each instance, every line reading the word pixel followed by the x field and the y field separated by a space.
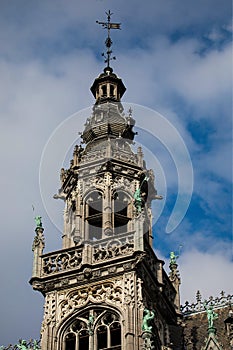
pixel 108 42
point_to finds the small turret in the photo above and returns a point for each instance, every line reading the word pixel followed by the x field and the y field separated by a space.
pixel 38 247
pixel 108 87
pixel 174 277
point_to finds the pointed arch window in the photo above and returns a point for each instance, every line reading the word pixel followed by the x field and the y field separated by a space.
pixel 102 337
pixel 110 328
pixel 70 341
pixel 96 329
pixel 115 334
pixel 83 340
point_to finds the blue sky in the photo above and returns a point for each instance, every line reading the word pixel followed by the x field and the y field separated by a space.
pixel 175 58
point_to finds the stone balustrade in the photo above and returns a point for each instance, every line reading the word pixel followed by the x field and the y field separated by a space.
pixel 114 246
pixel 61 261
pixel 87 253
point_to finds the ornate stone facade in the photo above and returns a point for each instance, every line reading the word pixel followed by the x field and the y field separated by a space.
pixel 99 284
pixel 106 289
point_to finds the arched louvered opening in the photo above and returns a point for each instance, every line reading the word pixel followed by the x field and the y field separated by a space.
pixel 103 91
pixel 121 212
pixel 112 88
pixel 94 215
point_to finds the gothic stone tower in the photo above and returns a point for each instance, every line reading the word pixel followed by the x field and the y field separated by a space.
pixel 106 288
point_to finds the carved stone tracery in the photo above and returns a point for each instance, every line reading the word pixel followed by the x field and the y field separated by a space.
pixel 139 293
pixel 62 261
pixel 49 310
pixel 113 248
pixel 108 292
pixel 129 292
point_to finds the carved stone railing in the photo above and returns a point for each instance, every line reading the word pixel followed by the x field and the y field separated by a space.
pixel 201 305
pixel 88 253
pixel 113 247
pixel 61 261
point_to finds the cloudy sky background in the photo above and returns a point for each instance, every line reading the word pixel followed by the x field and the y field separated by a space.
pixel 175 58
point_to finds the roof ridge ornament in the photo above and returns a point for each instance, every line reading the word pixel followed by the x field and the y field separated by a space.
pixel 200 305
pixel 108 42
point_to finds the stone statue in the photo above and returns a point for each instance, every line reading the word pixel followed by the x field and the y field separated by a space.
pixel 90 324
pixel 62 175
pixel 36 345
pixel 149 315
pixel 173 258
pixel 38 239
pixel 211 316
pixel 38 221
pixel 22 345
pixel 138 200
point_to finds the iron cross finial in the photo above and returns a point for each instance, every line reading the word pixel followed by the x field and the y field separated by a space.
pixel 108 42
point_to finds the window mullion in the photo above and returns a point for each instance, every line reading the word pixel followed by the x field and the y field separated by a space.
pixel 108 337
pixel 91 342
pixel 77 342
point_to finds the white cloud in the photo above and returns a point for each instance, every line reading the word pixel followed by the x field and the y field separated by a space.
pixel 209 273
pixel 219 161
pixel 46 72
pixel 205 78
